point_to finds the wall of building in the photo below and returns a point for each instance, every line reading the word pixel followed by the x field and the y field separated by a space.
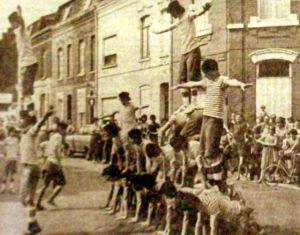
pixel 131 73
pixel 67 33
pixel 258 38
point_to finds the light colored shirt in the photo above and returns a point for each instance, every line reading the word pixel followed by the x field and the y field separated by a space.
pixel 127 120
pixel 26 56
pixel 28 146
pixel 12 148
pixel 187 29
pixel 53 148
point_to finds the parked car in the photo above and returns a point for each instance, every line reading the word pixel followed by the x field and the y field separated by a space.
pixel 79 143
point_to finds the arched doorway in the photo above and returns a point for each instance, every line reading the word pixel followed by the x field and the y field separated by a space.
pixel 274 80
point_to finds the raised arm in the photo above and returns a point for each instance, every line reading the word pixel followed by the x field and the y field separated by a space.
pixel 200 11
pixel 22 22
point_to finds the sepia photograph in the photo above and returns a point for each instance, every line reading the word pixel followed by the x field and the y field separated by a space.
pixel 150 117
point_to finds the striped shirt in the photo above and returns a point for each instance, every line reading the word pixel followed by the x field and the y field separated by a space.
pixel 215 97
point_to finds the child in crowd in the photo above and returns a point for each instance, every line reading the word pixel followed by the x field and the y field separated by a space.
pixel 269 154
pixel 11 155
pixel 153 129
pixel 143 125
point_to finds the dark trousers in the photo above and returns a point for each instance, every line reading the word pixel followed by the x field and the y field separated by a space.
pixel 28 75
pixel 190 66
pixel 210 136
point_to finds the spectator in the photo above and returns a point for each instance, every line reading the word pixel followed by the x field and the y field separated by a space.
pixel 153 129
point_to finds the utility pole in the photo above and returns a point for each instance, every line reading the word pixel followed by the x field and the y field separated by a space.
pixel 243 51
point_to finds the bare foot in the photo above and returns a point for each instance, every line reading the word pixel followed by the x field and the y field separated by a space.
pixel 134 220
pixel 145 224
pixel 110 212
pixel 121 217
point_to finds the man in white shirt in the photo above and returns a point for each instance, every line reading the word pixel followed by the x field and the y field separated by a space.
pixel 27 62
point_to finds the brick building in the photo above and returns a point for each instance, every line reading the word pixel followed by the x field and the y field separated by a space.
pixel 74 61
pixel 263 45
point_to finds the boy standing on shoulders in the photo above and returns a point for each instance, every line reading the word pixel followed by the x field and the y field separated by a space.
pixel 190 69
pixel 11 155
pixel 213 114
pixel 27 62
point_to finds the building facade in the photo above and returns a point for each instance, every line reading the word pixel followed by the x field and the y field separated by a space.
pixel 74 62
pixel 41 35
pixel 131 57
pixel 264 49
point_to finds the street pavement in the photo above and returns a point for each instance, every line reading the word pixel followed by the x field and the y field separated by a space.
pixel 79 207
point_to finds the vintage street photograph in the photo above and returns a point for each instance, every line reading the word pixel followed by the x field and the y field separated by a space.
pixel 150 117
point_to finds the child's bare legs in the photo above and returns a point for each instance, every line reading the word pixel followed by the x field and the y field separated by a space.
pixel 241 161
pixel 149 214
pixel 110 195
pixel 40 198
pixel 124 204
pixel 138 206
pixel 55 193
pixel 114 198
pixel 262 167
pixel 185 222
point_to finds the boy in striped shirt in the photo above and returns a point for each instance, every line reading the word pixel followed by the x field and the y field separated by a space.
pixel 213 115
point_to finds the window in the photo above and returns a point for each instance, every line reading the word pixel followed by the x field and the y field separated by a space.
pixel 69 59
pixel 81 61
pixel 274 9
pixel 165 37
pixel 274 87
pixel 145 50
pixel 203 26
pixel 110 54
pixel 69 107
pixel 274 68
pixel 145 98
pixel 60 63
pixel 93 50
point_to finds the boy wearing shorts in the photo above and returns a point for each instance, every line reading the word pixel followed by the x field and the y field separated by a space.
pixel 11 156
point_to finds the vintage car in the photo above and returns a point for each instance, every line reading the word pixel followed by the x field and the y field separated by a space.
pixel 79 143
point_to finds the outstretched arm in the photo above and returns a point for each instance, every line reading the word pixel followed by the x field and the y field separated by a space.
pixel 200 12
pixel 142 107
pixel 237 83
pixel 191 84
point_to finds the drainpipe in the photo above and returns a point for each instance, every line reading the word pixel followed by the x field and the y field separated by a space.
pixel 171 81
pixel 243 51
pixel 96 89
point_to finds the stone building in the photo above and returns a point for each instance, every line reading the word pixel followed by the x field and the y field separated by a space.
pixel 41 35
pixel 74 62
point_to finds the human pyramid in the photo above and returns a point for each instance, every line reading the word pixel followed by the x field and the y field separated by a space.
pixel 181 184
